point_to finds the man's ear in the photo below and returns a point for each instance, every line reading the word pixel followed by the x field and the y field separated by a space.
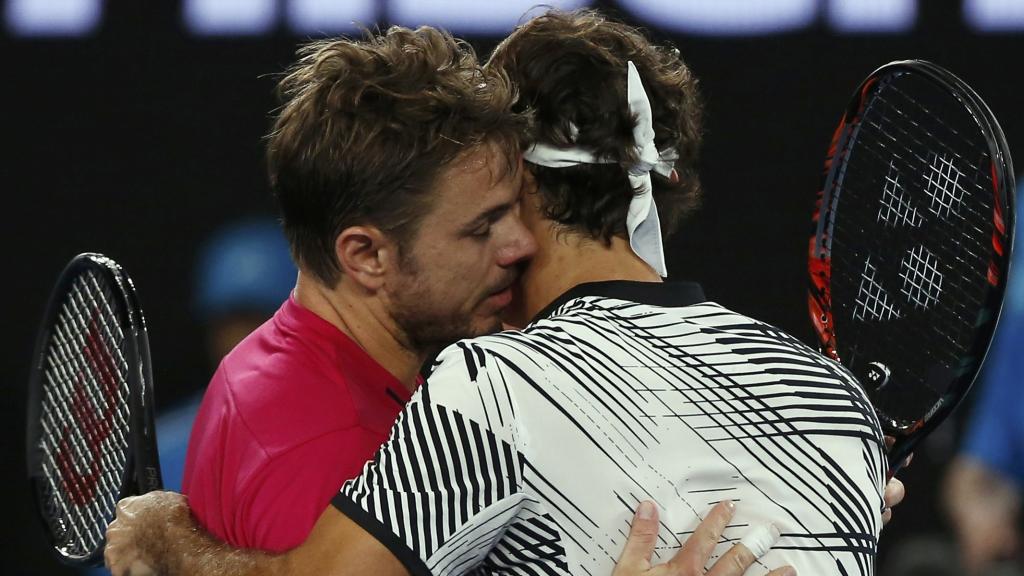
pixel 365 254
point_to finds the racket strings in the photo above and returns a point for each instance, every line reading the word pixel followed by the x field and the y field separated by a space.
pixel 944 187
pixel 895 208
pixel 907 100
pixel 84 416
pixel 69 487
pixel 946 204
pixel 929 187
pixel 873 302
pixel 944 184
pixel 922 284
pixel 922 281
pixel 909 110
pixel 939 166
pixel 898 184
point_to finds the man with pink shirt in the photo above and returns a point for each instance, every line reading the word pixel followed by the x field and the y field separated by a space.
pixel 395 161
pixel 262 463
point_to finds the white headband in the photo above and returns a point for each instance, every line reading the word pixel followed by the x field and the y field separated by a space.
pixel 642 223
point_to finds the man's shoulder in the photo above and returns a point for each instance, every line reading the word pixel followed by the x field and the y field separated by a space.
pixel 274 398
pixel 269 348
pixel 254 497
pixel 271 365
pixel 486 374
pixel 472 354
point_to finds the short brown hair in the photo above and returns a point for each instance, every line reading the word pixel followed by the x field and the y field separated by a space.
pixel 366 127
pixel 570 69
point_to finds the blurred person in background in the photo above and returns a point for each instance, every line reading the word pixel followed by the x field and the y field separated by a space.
pixel 982 492
pixel 242 274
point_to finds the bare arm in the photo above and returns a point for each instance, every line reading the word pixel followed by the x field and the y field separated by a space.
pixel 156 534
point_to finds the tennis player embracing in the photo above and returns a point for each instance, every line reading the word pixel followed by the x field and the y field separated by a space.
pixel 624 398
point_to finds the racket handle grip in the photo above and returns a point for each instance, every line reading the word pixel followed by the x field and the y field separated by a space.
pixel 899 456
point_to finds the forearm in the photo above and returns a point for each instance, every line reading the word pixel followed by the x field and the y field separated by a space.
pixel 188 550
pixel 156 533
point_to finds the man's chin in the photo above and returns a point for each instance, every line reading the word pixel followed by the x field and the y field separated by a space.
pixel 512 320
pixel 480 326
pixel 432 336
pixel 491 325
pixel 514 316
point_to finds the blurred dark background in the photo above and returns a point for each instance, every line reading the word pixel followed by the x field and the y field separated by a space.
pixel 134 129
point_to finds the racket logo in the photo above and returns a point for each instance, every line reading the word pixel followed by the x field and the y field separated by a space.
pixel 877 375
pixel 873 301
pixel 919 269
pixel 942 184
pixel 896 209
pixel 151 478
pixel 93 429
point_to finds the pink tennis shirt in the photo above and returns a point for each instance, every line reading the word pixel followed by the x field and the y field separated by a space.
pixel 292 412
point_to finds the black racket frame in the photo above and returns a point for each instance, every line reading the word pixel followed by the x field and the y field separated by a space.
pixel 142 469
pixel 1004 210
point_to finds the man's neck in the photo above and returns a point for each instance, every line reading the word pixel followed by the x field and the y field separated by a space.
pixel 564 261
pixel 362 320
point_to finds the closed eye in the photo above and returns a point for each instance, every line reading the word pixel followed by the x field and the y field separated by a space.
pixel 481 226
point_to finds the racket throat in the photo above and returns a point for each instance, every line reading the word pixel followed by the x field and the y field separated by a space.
pixel 877 376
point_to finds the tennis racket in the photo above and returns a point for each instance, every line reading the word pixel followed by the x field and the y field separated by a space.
pixel 911 247
pixel 91 438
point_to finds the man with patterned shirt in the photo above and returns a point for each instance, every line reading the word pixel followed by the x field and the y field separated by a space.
pixel 526 451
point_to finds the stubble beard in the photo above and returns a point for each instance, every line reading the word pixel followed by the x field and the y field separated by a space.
pixel 415 310
pixel 428 331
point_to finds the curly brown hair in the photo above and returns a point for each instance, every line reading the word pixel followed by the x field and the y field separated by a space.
pixel 367 126
pixel 570 70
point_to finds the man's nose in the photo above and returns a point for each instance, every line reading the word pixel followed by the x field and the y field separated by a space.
pixel 522 246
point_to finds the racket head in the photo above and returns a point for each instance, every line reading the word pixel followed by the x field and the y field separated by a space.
pixel 907 280
pixel 90 428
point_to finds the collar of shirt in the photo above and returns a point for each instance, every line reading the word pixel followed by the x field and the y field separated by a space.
pixel 667 294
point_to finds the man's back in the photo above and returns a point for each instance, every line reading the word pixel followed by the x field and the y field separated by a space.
pixel 556 433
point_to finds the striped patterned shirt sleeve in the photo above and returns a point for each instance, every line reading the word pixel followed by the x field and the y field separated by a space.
pixel 443 488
